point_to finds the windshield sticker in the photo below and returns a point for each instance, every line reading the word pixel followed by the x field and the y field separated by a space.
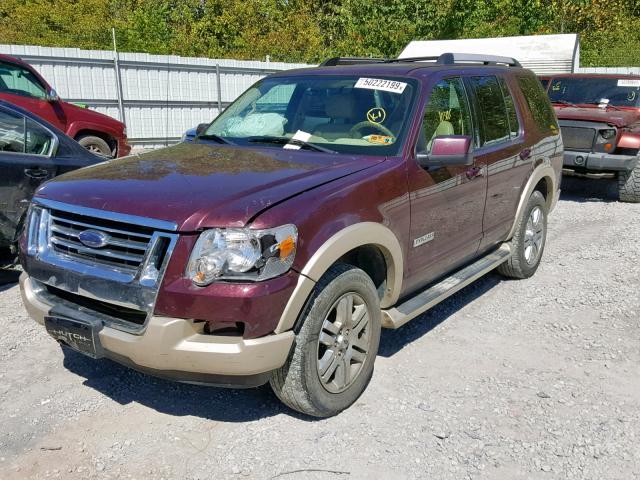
pixel 299 135
pixel 381 84
pixel 628 83
pixel 376 115
pixel 631 96
pixel 380 139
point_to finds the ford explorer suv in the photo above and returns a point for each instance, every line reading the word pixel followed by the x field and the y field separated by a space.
pixel 599 116
pixel 323 204
pixel 23 86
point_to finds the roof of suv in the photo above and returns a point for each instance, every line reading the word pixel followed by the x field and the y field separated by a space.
pixel 381 66
pixel 390 68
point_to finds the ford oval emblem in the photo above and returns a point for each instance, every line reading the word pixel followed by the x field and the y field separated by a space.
pixel 94 238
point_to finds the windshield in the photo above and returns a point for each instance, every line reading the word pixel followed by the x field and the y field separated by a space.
pixel 621 92
pixel 339 114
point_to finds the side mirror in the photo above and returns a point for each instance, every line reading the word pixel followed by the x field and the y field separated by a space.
pixel 52 96
pixel 201 128
pixel 447 151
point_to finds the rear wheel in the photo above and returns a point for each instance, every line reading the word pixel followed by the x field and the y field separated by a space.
pixel 629 185
pixel 332 360
pixel 528 241
pixel 95 145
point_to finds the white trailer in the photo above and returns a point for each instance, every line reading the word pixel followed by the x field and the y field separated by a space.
pixel 544 54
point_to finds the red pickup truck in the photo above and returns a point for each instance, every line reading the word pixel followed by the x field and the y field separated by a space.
pixel 21 85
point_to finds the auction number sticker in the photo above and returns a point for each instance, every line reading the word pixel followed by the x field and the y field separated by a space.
pixel 381 84
pixel 628 83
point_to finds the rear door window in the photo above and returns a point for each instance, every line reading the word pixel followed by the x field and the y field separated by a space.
pixel 493 116
pixel 20 81
pixel 538 104
pixel 19 134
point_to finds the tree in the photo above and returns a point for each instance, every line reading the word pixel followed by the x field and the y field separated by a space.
pixel 298 30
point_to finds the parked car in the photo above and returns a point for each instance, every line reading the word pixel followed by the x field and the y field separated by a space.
pixel 31 152
pixel 189 135
pixel 22 85
pixel 322 205
pixel 599 116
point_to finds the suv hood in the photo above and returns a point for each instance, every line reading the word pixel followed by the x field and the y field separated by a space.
pixel 200 185
pixel 618 118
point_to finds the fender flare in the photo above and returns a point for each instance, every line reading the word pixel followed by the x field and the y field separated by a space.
pixel 343 241
pixel 543 171
pixel 78 125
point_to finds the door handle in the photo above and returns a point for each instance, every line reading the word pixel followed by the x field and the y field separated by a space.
pixel 524 154
pixel 474 172
pixel 37 173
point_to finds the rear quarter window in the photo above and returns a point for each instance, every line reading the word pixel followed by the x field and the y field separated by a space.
pixel 539 104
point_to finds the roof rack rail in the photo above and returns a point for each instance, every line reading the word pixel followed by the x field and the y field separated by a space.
pixel 334 61
pixel 453 58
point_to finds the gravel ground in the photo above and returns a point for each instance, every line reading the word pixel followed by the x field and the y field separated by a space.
pixel 535 379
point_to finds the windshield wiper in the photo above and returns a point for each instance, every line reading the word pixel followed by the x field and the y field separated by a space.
pixel 292 141
pixel 564 102
pixel 607 105
pixel 215 138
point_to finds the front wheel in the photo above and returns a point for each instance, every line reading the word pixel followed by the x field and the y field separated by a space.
pixel 629 185
pixel 332 360
pixel 528 241
pixel 95 145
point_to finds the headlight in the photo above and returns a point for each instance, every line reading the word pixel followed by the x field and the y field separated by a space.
pixel 242 254
pixel 37 221
pixel 608 133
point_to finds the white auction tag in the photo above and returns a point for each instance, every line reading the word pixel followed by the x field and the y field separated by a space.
pixel 628 83
pixel 381 84
pixel 299 135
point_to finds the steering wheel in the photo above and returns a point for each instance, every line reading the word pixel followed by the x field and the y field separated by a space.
pixel 359 126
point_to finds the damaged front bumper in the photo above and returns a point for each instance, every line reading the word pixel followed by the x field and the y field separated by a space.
pixel 173 348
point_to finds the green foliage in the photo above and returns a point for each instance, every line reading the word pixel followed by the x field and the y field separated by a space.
pixel 299 30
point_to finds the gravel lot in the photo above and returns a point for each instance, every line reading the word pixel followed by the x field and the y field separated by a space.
pixel 535 379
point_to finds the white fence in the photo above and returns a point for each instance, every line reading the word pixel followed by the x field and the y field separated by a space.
pixel 162 95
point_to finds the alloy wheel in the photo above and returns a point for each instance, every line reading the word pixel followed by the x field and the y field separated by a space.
pixel 534 236
pixel 343 343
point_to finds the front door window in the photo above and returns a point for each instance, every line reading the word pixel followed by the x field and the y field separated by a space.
pixel 446 113
pixel 16 80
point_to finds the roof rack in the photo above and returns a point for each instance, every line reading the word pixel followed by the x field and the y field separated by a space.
pixel 334 61
pixel 453 58
pixel 443 59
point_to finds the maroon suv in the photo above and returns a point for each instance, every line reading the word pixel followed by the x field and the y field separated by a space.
pixel 21 85
pixel 322 205
pixel 599 116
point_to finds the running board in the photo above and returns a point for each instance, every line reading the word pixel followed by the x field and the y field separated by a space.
pixel 399 315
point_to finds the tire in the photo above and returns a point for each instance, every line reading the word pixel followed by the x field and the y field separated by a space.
pixel 95 145
pixel 528 241
pixel 629 185
pixel 324 343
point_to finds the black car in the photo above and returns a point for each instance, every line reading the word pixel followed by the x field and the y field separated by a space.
pixel 31 152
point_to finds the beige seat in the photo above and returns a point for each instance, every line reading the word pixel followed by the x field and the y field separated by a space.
pixel 341 109
pixel 443 128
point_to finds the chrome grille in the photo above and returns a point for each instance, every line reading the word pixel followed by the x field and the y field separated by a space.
pixel 126 245
pixel 578 138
